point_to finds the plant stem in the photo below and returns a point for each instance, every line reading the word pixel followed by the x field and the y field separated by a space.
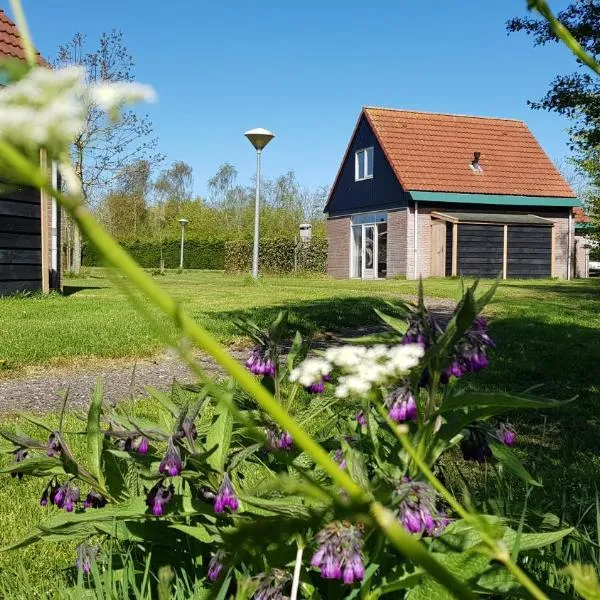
pixel 297 568
pixel 24 34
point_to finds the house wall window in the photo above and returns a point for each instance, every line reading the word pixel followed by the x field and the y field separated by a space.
pixel 363 164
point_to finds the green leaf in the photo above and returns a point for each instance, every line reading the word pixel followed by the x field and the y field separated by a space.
pixel 197 532
pixel 356 465
pixel 22 440
pixel 164 400
pixel 295 351
pixel 36 465
pixel 498 579
pixel 465 566
pixel 399 325
pixel 219 438
pixel 497 399
pixel 95 436
pixel 36 421
pixel 510 460
pixel 532 541
pixel 383 337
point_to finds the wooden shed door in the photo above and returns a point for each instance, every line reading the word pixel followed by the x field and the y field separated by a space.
pixel 438 248
pixel 529 252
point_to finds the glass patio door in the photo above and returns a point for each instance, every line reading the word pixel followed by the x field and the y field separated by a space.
pixel 369 252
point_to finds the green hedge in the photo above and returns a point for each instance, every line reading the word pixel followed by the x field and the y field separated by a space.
pixel 198 254
pixel 277 256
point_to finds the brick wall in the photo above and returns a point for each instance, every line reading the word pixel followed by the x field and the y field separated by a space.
pixel 338 247
pixel 561 240
pixel 424 245
pixel 396 242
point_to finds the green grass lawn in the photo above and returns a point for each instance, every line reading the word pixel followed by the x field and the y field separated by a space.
pixel 547 332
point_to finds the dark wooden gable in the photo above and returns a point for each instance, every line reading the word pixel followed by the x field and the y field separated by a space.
pixel 381 192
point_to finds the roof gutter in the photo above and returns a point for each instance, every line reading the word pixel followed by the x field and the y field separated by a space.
pixel 501 199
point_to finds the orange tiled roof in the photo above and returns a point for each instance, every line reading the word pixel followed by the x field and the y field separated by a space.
pixel 10 40
pixel 433 152
pixel 580 216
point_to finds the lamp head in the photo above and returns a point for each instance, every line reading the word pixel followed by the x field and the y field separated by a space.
pixel 259 137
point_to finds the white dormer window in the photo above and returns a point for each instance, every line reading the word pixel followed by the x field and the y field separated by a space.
pixel 363 164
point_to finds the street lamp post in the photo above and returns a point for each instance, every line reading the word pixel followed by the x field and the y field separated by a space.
pixel 259 138
pixel 183 223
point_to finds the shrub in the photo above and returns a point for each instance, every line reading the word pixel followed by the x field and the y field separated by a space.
pixel 198 254
pixel 279 255
pixel 232 491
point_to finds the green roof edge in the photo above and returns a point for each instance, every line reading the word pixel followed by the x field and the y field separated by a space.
pixel 465 198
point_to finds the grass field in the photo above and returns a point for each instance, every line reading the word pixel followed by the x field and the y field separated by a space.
pixel 547 332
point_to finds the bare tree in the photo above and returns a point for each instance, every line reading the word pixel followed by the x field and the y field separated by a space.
pixel 104 147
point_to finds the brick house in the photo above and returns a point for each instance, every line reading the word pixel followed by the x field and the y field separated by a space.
pixel 437 195
pixel 29 219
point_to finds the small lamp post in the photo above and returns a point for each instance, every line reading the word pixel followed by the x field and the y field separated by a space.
pixel 259 138
pixel 183 223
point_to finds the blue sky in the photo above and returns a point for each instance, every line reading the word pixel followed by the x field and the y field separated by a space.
pixel 305 69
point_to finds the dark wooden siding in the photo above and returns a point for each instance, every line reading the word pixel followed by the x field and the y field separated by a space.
pixel 449 248
pixel 20 240
pixel 529 252
pixel 480 250
pixel 380 192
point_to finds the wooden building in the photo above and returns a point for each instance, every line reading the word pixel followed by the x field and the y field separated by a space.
pixel 29 220
pixel 437 195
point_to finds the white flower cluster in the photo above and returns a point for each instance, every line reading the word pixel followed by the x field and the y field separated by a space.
pixel 47 108
pixel 363 368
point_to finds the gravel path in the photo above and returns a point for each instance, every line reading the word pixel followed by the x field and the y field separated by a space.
pixel 38 390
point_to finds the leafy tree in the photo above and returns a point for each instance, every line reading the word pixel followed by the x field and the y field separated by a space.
pixel 125 209
pixel 104 147
pixel 575 95
pixel 176 183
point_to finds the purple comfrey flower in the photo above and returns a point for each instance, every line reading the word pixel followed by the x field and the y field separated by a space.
pixel 140 444
pixel 474 446
pixel 54 448
pixel 215 566
pixel 273 585
pixel 339 458
pixel 360 418
pixel 94 500
pixel 319 386
pixel 49 493
pixel 86 555
pixel 417 509
pixel 260 362
pixel 171 464
pixel 19 456
pixel 470 353
pixel 226 497
pixel 66 496
pixel 339 552
pixel 506 434
pixel 159 496
pixel 421 328
pixel 401 405
pixel 280 440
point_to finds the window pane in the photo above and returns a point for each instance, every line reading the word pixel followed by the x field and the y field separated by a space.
pixel 380 217
pixel 369 155
pixel 382 250
pixel 357 251
pixel 369 246
pixel 360 164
